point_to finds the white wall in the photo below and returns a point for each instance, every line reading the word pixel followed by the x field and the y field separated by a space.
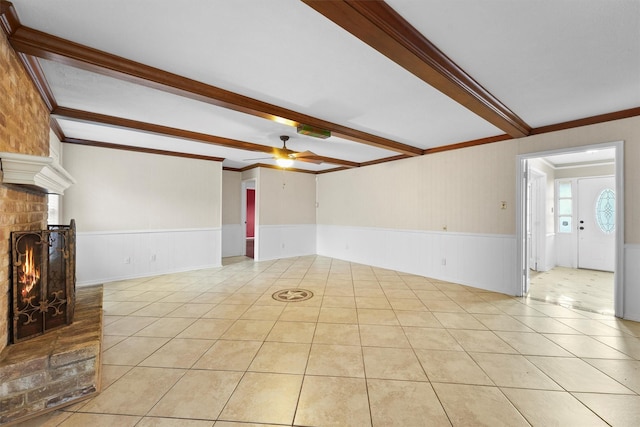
pixel 285 213
pixel 142 214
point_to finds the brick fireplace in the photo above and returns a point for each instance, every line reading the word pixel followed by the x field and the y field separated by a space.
pixel 24 128
pixel 62 366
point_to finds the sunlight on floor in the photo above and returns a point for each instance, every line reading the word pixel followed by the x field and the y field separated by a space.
pixel 574 288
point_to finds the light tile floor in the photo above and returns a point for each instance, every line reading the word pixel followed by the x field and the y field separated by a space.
pixel 372 347
pixel 590 290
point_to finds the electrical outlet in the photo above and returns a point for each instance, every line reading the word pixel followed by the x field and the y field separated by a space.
pixel 444 228
pixel 153 258
pixel 127 260
pixel 444 261
pixel 503 205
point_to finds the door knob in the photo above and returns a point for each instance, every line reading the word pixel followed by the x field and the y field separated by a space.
pixel 581 228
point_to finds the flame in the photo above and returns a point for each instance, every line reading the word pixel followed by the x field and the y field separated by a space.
pixel 30 273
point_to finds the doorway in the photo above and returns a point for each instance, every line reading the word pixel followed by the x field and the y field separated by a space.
pixel 249 209
pixel 574 261
pixel 250 222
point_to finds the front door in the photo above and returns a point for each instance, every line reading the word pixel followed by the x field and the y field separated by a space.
pixel 596 223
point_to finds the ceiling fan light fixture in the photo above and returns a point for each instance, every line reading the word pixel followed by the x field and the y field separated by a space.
pixel 284 163
pixel 313 131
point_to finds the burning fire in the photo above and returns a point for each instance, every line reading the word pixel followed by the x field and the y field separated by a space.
pixel 30 273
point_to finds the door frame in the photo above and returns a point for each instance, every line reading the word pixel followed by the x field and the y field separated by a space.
pixel 537 213
pixel 521 283
pixel 251 183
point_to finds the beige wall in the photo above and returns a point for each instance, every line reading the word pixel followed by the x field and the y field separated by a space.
pixel 120 190
pixel 462 189
pixel 286 197
pixel 231 197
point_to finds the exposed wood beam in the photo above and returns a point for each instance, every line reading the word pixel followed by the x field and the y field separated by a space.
pixel 467 144
pixel 109 145
pixel 262 165
pixel 89 117
pixel 383 160
pixel 381 27
pixel 55 127
pixel 36 73
pixel 31 42
pixel 9 21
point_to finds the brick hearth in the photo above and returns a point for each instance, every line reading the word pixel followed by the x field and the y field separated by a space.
pixel 56 369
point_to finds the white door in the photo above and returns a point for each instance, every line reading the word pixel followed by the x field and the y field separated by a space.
pixel 596 223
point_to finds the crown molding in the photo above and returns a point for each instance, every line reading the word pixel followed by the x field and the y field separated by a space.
pixel 601 118
pixel 100 144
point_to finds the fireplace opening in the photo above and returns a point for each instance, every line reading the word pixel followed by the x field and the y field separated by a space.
pixel 43 280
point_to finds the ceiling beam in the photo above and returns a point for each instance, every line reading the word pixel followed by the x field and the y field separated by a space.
pixel 90 143
pixel 382 28
pixel 89 117
pixel 31 42
pixel 38 78
pixel 9 21
pixel 467 144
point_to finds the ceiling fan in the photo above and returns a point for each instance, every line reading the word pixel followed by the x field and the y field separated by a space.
pixel 284 157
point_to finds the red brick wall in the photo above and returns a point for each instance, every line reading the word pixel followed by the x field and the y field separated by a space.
pixel 24 128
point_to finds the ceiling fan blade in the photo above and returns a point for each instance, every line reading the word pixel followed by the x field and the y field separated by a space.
pixel 305 154
pixel 308 156
pixel 259 158
pixel 310 160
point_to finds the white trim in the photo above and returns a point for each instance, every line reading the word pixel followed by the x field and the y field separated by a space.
pixel 170 230
pixel 43 173
pixel 619 277
pixel 249 183
pixel 632 275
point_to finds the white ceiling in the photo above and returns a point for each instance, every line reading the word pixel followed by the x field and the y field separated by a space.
pixel 582 158
pixel 548 61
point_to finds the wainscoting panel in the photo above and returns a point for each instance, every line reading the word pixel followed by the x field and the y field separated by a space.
pixel 478 260
pixel 632 282
pixel 285 241
pixel 107 256
pixel 231 240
